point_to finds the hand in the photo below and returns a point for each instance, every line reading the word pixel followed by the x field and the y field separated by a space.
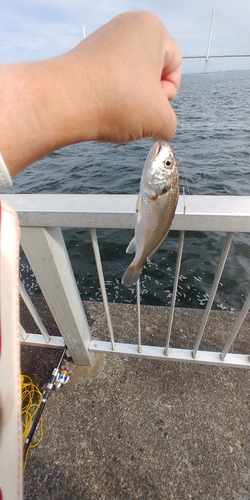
pixel 115 86
pixel 134 70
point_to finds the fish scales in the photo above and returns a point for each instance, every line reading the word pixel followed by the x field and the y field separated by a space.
pixel 155 209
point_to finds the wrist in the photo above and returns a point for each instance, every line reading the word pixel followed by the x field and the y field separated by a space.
pixel 45 105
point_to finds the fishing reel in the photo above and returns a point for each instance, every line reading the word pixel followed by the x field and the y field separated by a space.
pixel 62 377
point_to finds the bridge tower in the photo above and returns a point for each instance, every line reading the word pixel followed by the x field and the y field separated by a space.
pixel 209 40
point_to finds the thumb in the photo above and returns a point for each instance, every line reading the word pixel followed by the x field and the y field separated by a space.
pixel 169 85
pixel 166 123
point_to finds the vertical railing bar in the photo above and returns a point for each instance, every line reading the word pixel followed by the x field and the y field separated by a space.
pixel 30 306
pixel 138 301
pixel 176 279
pixel 23 333
pixel 213 291
pixel 102 283
pixel 236 327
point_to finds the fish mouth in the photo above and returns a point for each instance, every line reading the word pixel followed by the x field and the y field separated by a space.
pixel 158 148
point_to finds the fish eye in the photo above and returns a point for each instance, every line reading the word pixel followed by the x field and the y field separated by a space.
pixel 168 163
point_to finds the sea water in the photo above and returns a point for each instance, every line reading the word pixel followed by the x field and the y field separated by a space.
pixel 212 148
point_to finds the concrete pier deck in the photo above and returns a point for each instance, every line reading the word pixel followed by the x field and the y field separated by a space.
pixel 131 428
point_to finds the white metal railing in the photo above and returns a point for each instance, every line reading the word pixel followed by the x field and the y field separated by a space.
pixel 41 218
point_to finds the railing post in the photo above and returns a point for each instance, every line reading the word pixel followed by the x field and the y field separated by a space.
pixel 10 389
pixel 48 257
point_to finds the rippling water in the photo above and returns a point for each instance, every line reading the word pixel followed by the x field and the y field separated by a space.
pixel 212 147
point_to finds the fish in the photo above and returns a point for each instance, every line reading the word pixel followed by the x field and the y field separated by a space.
pixel 155 208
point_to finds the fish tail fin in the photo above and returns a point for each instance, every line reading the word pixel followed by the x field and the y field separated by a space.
pixel 131 275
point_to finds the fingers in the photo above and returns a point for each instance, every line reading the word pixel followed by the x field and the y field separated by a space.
pixel 170 86
pixel 171 67
pixel 171 82
pixel 132 78
pixel 166 127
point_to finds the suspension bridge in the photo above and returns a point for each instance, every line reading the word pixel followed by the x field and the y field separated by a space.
pixel 213 36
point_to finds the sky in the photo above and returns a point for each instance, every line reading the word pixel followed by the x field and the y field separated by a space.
pixel 37 29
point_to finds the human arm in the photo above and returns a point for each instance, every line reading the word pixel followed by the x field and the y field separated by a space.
pixel 115 86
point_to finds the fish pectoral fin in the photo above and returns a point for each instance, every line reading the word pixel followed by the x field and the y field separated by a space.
pixel 139 208
pixel 149 257
pixel 132 247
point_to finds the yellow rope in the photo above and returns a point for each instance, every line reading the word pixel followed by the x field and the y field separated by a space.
pixel 30 399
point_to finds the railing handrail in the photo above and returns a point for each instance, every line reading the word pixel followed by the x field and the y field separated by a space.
pixel 42 216
pixel 194 212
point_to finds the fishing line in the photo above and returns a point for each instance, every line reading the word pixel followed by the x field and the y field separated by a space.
pixel 31 398
pixel 224 33
pixel 207 109
pixel 213 113
pixel 207 141
pixel 189 34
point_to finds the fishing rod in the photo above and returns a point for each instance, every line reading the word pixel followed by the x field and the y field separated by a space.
pixel 46 394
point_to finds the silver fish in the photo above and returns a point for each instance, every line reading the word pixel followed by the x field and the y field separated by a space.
pixel 155 209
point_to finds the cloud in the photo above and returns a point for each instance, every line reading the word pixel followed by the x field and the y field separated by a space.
pixel 35 29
